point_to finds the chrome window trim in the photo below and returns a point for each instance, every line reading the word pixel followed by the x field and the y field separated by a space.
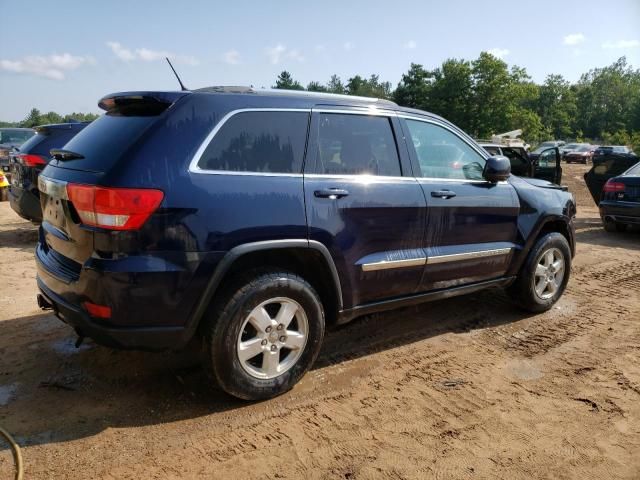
pixel 388 264
pixel 455 257
pixel 193 165
pixel 369 111
pixel 361 176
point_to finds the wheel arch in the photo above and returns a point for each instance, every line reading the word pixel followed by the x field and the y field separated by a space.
pixel 548 224
pixel 309 259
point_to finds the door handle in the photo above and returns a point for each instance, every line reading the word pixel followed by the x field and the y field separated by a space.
pixel 332 193
pixel 443 194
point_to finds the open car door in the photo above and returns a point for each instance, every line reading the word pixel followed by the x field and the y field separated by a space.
pixel 547 166
pixel 605 168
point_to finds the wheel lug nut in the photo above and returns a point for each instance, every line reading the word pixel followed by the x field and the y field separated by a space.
pixel 268 329
pixel 280 327
pixel 283 339
pixel 273 348
pixel 263 342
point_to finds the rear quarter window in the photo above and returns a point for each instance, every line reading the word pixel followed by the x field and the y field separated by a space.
pixel 259 142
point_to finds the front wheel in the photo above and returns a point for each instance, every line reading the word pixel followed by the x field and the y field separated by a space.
pixel 545 274
pixel 263 334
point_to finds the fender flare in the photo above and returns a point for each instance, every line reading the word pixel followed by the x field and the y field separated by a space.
pixel 236 252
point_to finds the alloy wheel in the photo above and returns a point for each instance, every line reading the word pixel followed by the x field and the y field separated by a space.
pixel 549 273
pixel 272 338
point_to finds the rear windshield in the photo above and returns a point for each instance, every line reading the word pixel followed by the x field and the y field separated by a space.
pixel 27 146
pixel 104 141
pixel 15 137
pixel 634 171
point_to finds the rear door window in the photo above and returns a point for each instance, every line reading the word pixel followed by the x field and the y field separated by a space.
pixel 260 142
pixel 352 144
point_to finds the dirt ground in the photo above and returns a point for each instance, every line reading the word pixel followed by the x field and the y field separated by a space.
pixel 468 387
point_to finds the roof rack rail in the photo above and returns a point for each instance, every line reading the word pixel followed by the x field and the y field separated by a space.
pixel 295 93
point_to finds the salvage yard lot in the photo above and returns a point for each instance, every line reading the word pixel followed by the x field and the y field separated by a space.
pixel 463 388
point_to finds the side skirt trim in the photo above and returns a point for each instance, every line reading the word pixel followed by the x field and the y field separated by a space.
pixel 345 316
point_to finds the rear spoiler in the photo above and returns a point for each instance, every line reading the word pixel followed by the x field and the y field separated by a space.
pixel 139 104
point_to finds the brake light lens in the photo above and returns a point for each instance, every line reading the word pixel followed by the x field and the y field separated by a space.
pixel 98 311
pixel 30 160
pixel 114 208
pixel 612 186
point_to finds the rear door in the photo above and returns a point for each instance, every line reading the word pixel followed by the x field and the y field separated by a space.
pixel 471 223
pixel 363 202
pixel 547 166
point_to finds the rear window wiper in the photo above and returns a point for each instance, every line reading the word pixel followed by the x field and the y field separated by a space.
pixel 60 154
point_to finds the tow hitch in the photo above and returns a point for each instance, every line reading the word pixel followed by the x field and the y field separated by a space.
pixel 43 303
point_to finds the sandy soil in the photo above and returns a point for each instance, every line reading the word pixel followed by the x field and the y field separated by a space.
pixel 462 388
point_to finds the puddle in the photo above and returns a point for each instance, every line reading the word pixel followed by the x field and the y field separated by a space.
pixel 523 370
pixel 7 393
pixel 67 346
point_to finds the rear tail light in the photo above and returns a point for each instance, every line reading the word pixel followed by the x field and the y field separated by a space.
pixel 98 311
pixel 114 208
pixel 32 160
pixel 612 186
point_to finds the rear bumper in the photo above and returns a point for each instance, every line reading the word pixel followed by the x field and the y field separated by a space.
pixel 622 212
pixel 152 299
pixel 25 203
pixel 147 338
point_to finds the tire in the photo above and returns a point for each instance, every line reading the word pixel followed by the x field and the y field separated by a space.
pixel 611 226
pixel 524 291
pixel 234 318
pixel 4 194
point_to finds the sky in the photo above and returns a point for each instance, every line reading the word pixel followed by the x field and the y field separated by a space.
pixel 65 55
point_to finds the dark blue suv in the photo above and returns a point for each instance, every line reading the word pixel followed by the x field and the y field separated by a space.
pixel 253 218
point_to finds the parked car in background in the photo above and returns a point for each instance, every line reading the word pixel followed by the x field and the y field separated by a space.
pixel 605 150
pixel 620 200
pixel 27 163
pixel 570 147
pixel 545 166
pixel 252 218
pixel 582 154
pixel 11 138
pixel 606 167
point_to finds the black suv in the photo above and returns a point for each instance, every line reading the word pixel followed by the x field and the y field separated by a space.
pixel 253 218
pixel 27 163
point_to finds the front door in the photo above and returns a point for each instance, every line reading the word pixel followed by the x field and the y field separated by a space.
pixel 547 166
pixel 364 204
pixel 471 223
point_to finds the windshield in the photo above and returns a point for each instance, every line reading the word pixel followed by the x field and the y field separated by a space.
pixel 543 147
pixel 583 148
pixel 15 137
pixel 572 146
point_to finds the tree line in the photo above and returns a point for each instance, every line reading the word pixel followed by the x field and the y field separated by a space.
pixel 35 118
pixel 486 96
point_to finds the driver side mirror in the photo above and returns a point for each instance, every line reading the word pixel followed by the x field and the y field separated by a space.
pixel 496 169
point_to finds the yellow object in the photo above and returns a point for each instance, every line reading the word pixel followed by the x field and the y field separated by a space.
pixel 3 180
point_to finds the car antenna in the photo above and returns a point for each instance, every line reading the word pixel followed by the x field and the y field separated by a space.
pixel 182 87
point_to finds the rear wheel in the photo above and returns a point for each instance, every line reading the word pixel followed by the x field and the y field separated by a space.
pixel 545 274
pixel 613 226
pixel 263 335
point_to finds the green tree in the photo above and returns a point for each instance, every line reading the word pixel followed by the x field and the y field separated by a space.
pixel 33 118
pixel 286 81
pixel 316 87
pixel 414 88
pixel 557 106
pixel 335 85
